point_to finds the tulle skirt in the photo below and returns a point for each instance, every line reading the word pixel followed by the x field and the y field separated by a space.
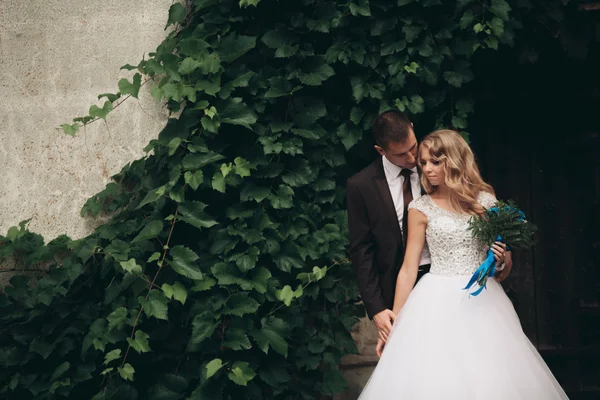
pixel 447 345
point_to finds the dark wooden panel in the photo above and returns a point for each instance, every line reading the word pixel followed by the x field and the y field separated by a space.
pixel 507 168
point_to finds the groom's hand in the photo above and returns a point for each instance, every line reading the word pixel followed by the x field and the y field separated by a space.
pixel 379 347
pixel 383 321
pixel 508 264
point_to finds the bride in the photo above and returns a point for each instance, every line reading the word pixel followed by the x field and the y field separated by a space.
pixel 445 344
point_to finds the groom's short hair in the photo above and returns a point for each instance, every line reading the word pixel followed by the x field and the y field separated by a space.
pixel 391 126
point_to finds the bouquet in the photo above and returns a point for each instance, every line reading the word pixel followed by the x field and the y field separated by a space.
pixel 504 223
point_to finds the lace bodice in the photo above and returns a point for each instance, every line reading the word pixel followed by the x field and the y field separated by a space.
pixel 453 249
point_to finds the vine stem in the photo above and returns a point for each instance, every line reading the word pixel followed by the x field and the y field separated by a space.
pixel 118 103
pixel 162 261
pixel 152 284
pixel 281 303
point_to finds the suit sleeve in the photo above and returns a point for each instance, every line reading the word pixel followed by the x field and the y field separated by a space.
pixel 362 251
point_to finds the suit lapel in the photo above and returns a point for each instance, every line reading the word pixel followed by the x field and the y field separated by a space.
pixel 386 198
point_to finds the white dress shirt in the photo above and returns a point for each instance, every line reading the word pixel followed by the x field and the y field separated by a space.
pixel 395 182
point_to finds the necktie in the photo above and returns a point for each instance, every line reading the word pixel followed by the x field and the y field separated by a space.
pixel 408 197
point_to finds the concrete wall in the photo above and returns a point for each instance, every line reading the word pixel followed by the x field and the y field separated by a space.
pixel 56 56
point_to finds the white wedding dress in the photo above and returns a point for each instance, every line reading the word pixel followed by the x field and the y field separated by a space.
pixel 447 345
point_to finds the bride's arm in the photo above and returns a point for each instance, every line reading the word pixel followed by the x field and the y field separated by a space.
pixel 417 223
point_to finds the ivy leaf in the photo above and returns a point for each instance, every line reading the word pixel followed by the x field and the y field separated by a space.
pixel 282 197
pixel 154 257
pixel 237 113
pixel 286 262
pixel 176 291
pixel 213 367
pixel 194 179
pixel 234 46
pixel 411 32
pixel 358 90
pixel 183 262
pixel 70 129
pixel 412 68
pixel 277 40
pixel 248 3
pixel 203 326
pixel 466 20
pixel 131 266
pixel 60 370
pixel 248 260
pixel 317 74
pixel 500 8
pixel 189 65
pixel 240 304
pixel 236 339
pixel 459 123
pixel 287 295
pixel 271 335
pixel 126 372
pixel 101 113
pixel 177 13
pixel 202 4
pixel 204 284
pixel 156 305
pixel 174 145
pixel 497 26
pixel 196 161
pixel 151 230
pixel 242 167
pixel 333 382
pixel 111 356
pixel 275 374
pixel 253 192
pixel 218 182
pixel 133 89
pixel 116 318
pixel 349 135
pixel 241 373
pixel 177 194
pixel 140 343
pixel 152 196
pixel 193 213
pixel 226 169
pixel 455 78
pixel 360 9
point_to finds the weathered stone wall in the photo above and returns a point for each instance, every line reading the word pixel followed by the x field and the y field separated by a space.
pixel 358 368
pixel 56 56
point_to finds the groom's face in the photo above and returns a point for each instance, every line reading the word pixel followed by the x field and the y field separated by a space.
pixel 403 154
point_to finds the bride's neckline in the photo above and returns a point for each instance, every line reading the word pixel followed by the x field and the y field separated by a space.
pixel 452 212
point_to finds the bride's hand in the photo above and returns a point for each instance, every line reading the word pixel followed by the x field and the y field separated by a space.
pixel 379 347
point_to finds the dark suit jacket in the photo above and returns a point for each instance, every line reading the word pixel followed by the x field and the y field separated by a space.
pixel 376 247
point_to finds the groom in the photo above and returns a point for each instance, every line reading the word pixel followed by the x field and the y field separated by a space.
pixel 377 201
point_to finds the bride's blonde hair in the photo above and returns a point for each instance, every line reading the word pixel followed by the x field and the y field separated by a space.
pixel 462 174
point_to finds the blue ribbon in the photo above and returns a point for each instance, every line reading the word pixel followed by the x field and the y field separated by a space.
pixel 486 270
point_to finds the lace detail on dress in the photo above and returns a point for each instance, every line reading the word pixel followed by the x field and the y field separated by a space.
pixel 452 247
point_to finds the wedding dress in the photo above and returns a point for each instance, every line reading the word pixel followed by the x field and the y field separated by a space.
pixel 447 345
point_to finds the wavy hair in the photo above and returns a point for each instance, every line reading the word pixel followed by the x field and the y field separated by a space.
pixel 462 174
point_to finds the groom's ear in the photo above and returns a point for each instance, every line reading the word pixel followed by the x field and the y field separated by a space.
pixel 380 150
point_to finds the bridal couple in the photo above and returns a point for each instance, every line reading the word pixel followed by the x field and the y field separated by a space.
pixel 408 215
